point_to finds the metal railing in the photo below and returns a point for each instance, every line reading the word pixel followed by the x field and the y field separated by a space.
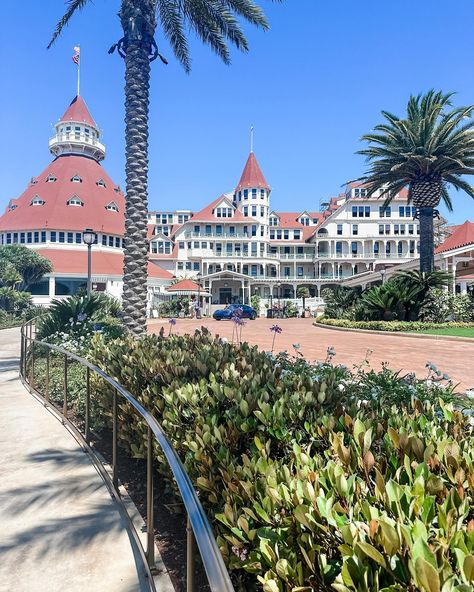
pixel 198 527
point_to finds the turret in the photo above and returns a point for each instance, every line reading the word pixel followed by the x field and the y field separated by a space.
pixel 77 133
pixel 252 194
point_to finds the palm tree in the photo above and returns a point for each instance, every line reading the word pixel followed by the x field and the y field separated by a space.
pixel 303 292
pixel 215 22
pixel 429 150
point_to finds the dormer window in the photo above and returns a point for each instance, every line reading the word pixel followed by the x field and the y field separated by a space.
pixel 51 179
pixel 37 201
pixel 76 179
pixel 75 201
pixel 33 181
pixel 224 212
pixel 101 183
pixel 12 207
pixel 273 221
pixel 112 207
pixel 117 189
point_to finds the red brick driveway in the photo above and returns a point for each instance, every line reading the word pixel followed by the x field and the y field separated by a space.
pixel 408 354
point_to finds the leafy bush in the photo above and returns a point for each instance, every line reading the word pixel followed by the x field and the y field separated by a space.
pixel 339 301
pixel 78 317
pixel 408 326
pixel 441 306
pixel 28 266
pixel 315 478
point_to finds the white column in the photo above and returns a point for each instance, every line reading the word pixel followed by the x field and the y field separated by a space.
pixel 52 287
pixel 463 287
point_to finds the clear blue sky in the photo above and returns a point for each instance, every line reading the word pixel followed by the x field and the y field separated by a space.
pixel 311 86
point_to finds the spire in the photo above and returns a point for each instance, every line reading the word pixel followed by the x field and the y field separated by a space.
pixel 78 112
pixel 77 133
pixel 252 176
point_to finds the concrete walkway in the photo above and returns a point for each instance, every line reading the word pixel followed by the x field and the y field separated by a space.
pixel 408 354
pixel 60 529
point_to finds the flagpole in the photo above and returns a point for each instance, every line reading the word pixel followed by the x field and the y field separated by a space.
pixel 79 74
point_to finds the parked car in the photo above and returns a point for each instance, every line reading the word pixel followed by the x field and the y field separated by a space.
pixel 247 312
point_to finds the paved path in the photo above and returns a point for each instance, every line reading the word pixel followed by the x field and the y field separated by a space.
pixel 60 530
pixel 409 354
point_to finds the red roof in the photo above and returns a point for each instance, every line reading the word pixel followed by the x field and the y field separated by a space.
pixel 103 263
pixel 252 175
pixel 207 215
pixel 184 285
pixel 462 236
pixel 55 214
pixel 78 111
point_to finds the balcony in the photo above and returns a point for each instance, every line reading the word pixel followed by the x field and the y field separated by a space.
pixel 299 256
pixel 366 255
pixel 219 235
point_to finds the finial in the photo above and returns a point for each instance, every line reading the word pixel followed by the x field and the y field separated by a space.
pixel 251 138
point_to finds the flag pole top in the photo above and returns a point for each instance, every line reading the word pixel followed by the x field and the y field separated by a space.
pixel 251 138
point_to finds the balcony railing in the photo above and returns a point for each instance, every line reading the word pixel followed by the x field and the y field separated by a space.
pixel 366 255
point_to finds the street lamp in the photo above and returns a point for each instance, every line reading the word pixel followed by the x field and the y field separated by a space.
pixel 278 286
pixel 89 237
pixel 198 276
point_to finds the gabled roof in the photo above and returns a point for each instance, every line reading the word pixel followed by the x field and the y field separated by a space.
pixel 462 236
pixel 55 214
pixel 252 175
pixel 103 263
pixel 187 285
pixel 78 111
pixel 206 214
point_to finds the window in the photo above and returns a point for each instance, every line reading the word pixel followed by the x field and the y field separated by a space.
pixel 254 194
pixel 232 230
pixel 339 248
pixel 74 201
pixel 51 179
pixel 181 245
pixel 29 237
pixel 197 228
pixel 411 229
pixel 272 234
pixel 196 266
pixel 354 247
pixel 388 248
pixel 61 237
pixel 367 211
pixel 278 234
pixel 188 265
pixel 339 229
pixel 254 230
pixel 412 247
pixel 36 237
pixel 218 229
pixel 180 265
pixel 354 211
pixel 262 211
pixel 104 240
pixel 304 221
pixel 15 237
pixel 117 242
pixel 286 234
pixel 22 237
pixel 254 211
pixel 203 245
pixel 297 234
pixel 76 179
pixel 37 201
pixel 111 241
pixel 78 238
pixel 400 249
pixel 286 271
pixel 262 193
pixel 406 212
pixel 70 237
pixel 43 236
pixel 402 228
pixel 396 229
pixel 208 229
pixel 246 210
pixel 112 207
pixel 273 221
pixel 376 248
pixel 196 245
pixel 33 181
pixel 52 236
pixel 246 193
pixel 360 192
pixel 299 271
pixel 355 229
pixel 101 183
pixel 117 189
pixel 385 212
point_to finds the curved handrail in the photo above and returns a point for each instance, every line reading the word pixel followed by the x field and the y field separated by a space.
pixel 217 574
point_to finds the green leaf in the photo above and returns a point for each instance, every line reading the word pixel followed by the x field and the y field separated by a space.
pixel 421 549
pixel 427 576
pixel 372 552
pixel 468 568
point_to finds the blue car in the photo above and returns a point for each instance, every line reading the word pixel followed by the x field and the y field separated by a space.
pixel 247 312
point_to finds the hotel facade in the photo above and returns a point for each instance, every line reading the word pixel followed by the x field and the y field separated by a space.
pixel 236 246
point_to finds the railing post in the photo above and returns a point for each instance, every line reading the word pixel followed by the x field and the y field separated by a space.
pixel 32 365
pixel 46 388
pixel 88 405
pixel 114 441
pixel 150 547
pixel 22 351
pixel 190 552
pixel 65 388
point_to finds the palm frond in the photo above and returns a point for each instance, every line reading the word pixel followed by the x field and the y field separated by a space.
pixel 72 7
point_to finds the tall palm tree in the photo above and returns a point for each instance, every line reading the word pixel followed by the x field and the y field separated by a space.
pixel 216 23
pixel 429 150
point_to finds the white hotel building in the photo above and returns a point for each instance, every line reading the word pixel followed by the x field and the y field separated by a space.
pixel 239 246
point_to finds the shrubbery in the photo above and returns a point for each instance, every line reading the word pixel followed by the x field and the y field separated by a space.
pixel 409 326
pixel 315 478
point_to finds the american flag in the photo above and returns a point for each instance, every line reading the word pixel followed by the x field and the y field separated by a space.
pixel 77 53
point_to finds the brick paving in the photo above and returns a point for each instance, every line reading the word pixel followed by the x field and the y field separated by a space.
pixel 408 354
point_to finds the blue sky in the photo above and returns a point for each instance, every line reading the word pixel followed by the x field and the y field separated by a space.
pixel 311 86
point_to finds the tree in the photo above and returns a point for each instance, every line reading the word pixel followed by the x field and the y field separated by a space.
pixel 215 22
pixel 429 150
pixel 20 267
pixel 303 292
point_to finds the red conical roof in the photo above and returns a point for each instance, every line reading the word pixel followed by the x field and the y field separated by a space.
pixel 461 237
pixel 252 175
pixel 78 111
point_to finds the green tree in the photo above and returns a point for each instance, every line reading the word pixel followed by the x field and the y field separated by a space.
pixel 20 267
pixel 303 292
pixel 216 23
pixel 428 150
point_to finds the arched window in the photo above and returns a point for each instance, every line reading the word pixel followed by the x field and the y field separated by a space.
pixel 37 201
pixel 51 178
pixel 75 201
pixel 322 232
pixel 101 183
pixel 76 179
pixel 112 207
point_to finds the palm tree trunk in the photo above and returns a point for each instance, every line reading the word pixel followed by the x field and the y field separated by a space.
pixel 426 239
pixel 137 86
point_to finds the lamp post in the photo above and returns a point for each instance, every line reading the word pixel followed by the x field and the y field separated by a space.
pixel 198 276
pixel 278 286
pixel 89 237
pixel 382 275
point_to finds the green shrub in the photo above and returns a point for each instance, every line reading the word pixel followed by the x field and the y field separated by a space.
pixel 441 306
pixel 315 478
pixel 408 326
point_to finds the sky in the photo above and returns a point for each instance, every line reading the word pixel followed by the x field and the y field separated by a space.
pixel 311 86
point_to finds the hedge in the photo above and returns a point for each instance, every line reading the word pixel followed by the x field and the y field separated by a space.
pixel 407 326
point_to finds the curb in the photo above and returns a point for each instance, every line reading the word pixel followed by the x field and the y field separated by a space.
pixel 399 333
